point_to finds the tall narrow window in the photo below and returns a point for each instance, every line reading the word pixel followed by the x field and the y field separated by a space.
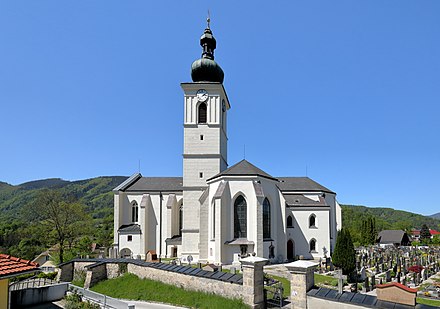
pixel 313 245
pixel 180 220
pixel 240 214
pixel 266 219
pixel 312 220
pixel 289 221
pixel 134 211
pixel 202 113
pixel 213 221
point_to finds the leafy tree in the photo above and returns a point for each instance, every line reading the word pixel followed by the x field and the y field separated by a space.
pixel 425 234
pixel 63 217
pixel 344 253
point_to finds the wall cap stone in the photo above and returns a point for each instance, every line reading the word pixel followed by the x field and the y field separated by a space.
pixel 250 260
pixel 301 265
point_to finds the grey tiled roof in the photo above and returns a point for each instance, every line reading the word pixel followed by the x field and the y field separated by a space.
pixel 127 182
pixel 300 184
pixel 301 200
pixel 155 184
pixel 243 168
pixel 130 228
pixel 392 237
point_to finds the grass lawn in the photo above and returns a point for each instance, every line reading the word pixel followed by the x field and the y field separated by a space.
pixel 129 286
pixel 426 301
pixel 326 280
pixel 286 284
pixel 79 283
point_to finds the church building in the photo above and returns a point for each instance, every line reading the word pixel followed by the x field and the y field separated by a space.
pixel 215 213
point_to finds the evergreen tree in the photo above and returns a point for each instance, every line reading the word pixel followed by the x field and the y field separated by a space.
pixel 425 234
pixel 368 231
pixel 344 253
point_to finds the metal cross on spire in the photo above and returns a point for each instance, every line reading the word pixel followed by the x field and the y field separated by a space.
pixel 208 20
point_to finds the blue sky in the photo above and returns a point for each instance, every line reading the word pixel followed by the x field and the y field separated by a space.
pixel 346 92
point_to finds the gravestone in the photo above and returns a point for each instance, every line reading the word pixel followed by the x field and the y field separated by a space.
pixel 366 287
pixel 388 276
pixel 373 282
pixel 363 273
pixel 340 278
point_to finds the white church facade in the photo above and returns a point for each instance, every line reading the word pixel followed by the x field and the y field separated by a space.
pixel 217 214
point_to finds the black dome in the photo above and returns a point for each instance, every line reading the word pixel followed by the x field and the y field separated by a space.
pixel 206 69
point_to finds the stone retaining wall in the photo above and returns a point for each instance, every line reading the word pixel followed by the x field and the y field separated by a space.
pixel 225 289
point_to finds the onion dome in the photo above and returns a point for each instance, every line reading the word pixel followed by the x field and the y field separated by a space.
pixel 206 69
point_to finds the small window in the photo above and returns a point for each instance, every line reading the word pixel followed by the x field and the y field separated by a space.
pixel 313 245
pixel 129 238
pixel 201 137
pixel 201 175
pixel 289 221
pixel 312 221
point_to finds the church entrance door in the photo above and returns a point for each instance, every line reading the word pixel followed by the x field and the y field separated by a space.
pixel 290 250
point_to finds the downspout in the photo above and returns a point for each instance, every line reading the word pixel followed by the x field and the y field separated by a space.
pixel 160 226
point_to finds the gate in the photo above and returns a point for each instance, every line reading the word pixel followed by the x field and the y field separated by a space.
pixel 273 292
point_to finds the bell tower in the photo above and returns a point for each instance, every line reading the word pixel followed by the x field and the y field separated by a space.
pixel 205 139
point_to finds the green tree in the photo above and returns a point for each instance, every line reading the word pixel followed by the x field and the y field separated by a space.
pixel 368 231
pixel 425 234
pixel 64 218
pixel 344 253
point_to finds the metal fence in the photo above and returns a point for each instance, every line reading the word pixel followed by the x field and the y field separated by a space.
pixel 103 300
pixel 31 283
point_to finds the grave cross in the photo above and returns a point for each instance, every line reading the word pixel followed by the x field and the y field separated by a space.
pixel 341 279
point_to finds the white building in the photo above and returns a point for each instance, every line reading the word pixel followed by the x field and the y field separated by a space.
pixel 214 213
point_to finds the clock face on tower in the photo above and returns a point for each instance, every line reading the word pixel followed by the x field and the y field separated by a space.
pixel 202 95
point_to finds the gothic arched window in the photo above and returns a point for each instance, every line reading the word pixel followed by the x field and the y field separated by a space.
pixel 202 113
pixel 313 245
pixel 134 212
pixel 289 221
pixel 266 219
pixel 240 214
pixel 312 220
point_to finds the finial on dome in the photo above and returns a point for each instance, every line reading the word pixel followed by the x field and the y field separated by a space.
pixel 206 69
pixel 208 20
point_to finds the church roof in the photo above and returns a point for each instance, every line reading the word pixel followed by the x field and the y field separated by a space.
pixel 243 168
pixel 301 200
pixel 130 228
pixel 155 184
pixel 300 184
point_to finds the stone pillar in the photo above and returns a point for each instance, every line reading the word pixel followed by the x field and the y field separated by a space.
pixel 253 281
pixel 302 280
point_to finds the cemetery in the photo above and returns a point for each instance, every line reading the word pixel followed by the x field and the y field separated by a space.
pixel 414 270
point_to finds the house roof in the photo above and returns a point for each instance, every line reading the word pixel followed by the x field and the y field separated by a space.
pixel 391 236
pixel 12 266
pixel 243 168
pixel 301 200
pixel 300 184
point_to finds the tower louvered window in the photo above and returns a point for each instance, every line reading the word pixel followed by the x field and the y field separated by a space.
pixel 202 113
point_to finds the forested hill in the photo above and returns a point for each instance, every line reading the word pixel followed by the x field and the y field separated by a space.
pixel 436 216
pixel 95 193
pixel 22 237
pixel 386 219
